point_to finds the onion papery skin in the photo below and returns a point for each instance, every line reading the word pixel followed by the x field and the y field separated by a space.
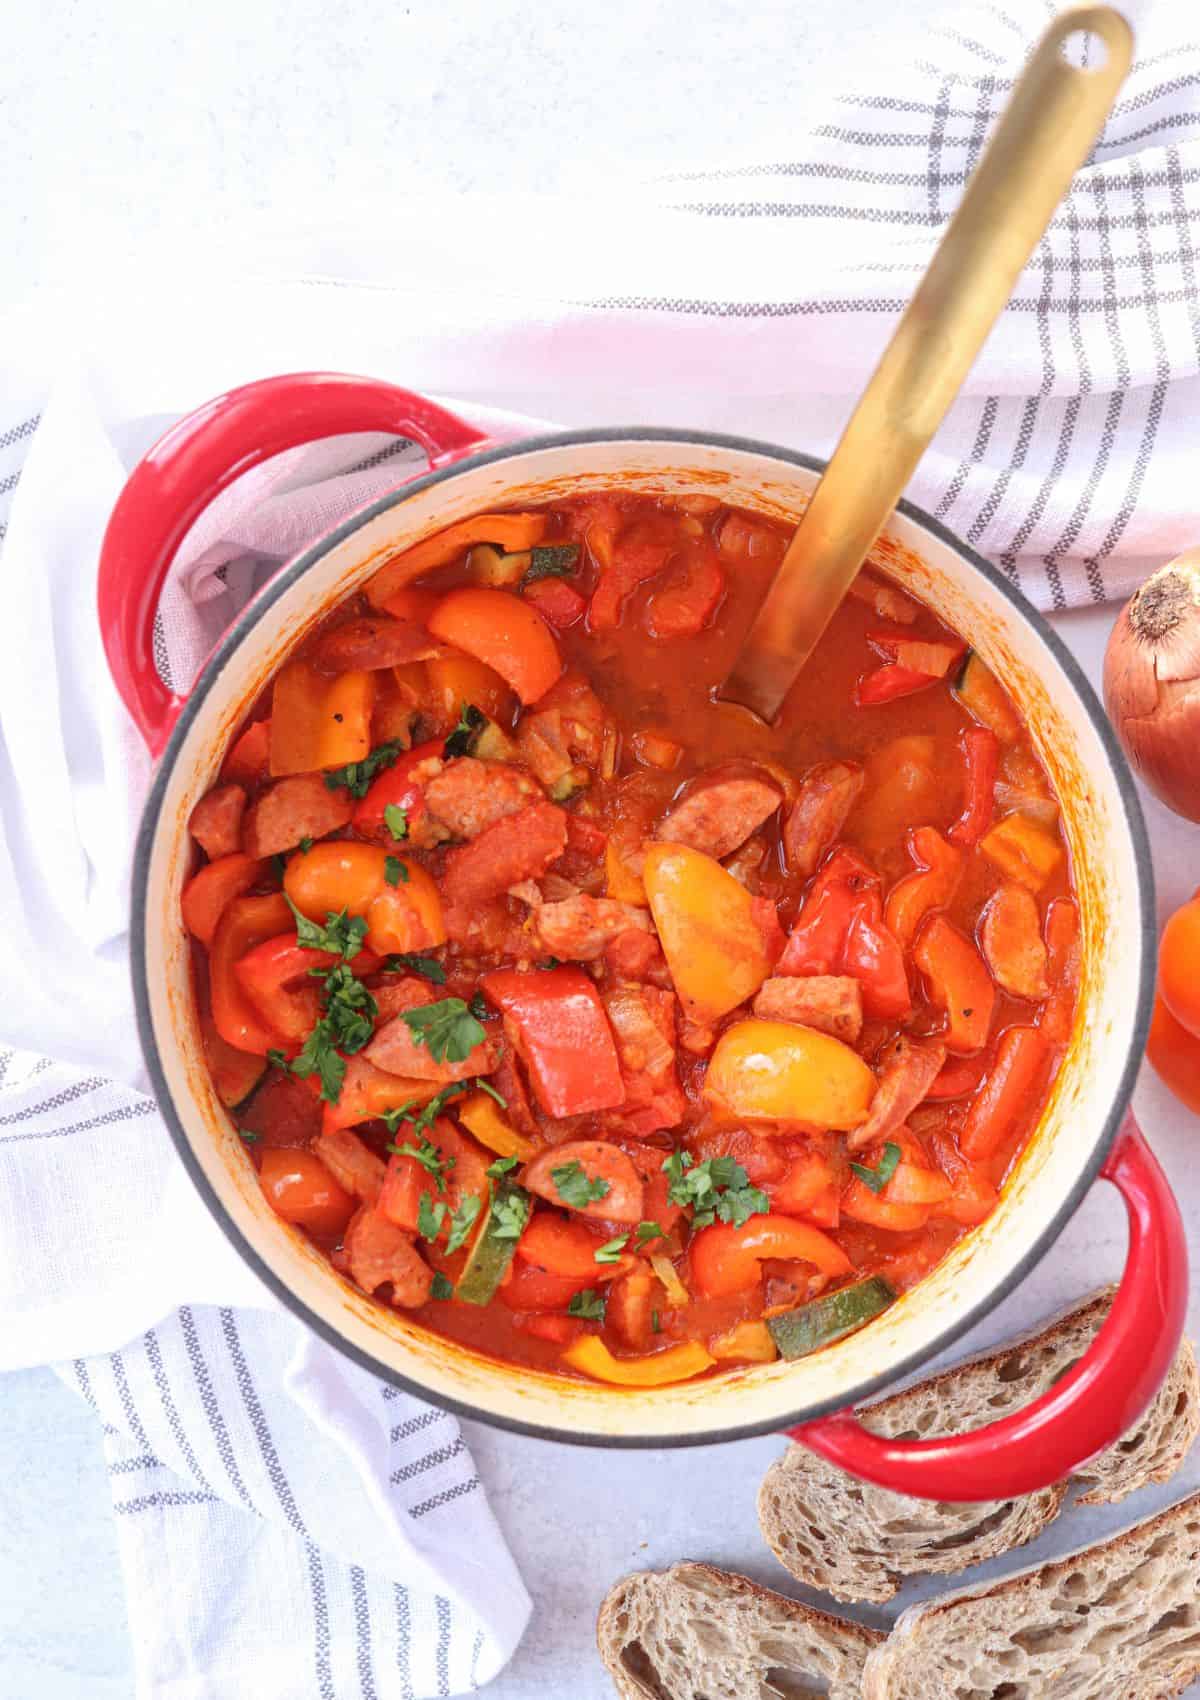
pixel 1152 683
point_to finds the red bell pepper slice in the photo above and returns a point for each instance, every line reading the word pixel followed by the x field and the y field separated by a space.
pixel 981 752
pixel 885 684
pixel 1008 1092
pixel 555 601
pixel 395 785
pixel 873 956
pixel 563 1035
pixel 841 930
pixel 268 974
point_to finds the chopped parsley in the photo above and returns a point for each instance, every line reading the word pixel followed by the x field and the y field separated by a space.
pixel 442 1288
pixel 574 1187
pixel 424 1118
pixel 589 1304
pixel 552 560
pixel 277 1059
pixel 249 1135
pixel 345 1027
pixel 447 1029
pixel 394 871
pixel 396 820
pixel 502 1166
pixel 478 1006
pixel 431 1218
pixel 550 962
pixel 485 1086
pixel 878 1177
pixel 509 1216
pixel 342 934
pixel 427 966
pixel 655 1324
pixel 463 1220
pixel 424 1152
pixel 306 845
pixel 356 776
pixel 645 1232
pixel 611 1251
pixel 471 722
pixel 718 1190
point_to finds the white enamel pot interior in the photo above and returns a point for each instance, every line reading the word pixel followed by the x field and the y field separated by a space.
pixel 1112 875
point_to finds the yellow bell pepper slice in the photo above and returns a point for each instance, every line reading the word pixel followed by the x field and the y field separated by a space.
pixel 317 721
pixel 1022 850
pixel 781 1071
pixel 748 1343
pixel 705 919
pixel 480 1115
pixel 512 532
pixel 590 1356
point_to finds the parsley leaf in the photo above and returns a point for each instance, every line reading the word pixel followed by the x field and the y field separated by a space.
pixel 645 1232
pixel 396 820
pixel 427 966
pixel 479 1006
pixel 277 1059
pixel 509 1216
pixel 356 776
pixel 430 1218
pixel 574 1188
pixel 717 1190
pixel 342 934
pixel 391 1119
pixel 447 1029
pixel 589 1303
pixel 424 1118
pixel 463 1220
pixel 655 1324
pixel 471 722
pixel 501 1166
pixel 442 1287
pixel 394 871
pixel 485 1086
pixel 879 1177
pixel 306 845
pixel 249 1135
pixel 430 1158
pixel 552 560
pixel 346 1026
pixel 550 962
pixel 319 1056
pixel 611 1251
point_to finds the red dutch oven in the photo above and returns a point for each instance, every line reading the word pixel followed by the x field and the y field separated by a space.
pixel 1084 1134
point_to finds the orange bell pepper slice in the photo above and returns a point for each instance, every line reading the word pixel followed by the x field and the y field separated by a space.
pixel 510 532
pixel 503 631
pixel 318 721
pixel 959 982
pixel 727 1260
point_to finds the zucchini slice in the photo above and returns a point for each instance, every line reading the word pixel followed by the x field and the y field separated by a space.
pixel 821 1321
pixel 982 695
pixel 494 1244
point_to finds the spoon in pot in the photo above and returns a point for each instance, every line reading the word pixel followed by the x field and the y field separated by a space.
pixel 1045 133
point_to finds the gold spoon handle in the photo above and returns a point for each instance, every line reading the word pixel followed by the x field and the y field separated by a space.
pixel 1044 134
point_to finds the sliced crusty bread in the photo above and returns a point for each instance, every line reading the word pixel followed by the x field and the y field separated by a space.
pixel 859 1542
pixel 1115 1621
pixel 698 1633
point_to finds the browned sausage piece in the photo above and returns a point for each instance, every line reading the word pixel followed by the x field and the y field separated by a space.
pixel 518 847
pixel 395 1049
pixel 827 794
pixel 909 1070
pixel 301 806
pixel 377 1252
pixel 1011 937
pixel 351 1163
pixel 832 1003
pixel 718 811
pixel 371 643
pixel 469 795
pixel 216 821
pixel 578 928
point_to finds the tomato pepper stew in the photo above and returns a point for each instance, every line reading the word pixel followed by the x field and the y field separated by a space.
pixel 602 1027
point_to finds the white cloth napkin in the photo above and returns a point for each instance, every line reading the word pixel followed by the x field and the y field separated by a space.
pixel 304 1523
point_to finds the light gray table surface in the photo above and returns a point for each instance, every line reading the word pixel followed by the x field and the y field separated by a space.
pixel 120 122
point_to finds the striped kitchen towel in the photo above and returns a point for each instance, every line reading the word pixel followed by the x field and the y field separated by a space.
pixel 287 1524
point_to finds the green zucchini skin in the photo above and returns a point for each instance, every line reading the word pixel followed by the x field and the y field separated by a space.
pixel 831 1317
pixel 490 1255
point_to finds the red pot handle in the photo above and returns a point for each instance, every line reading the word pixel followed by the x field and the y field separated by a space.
pixel 1088 1409
pixel 198 458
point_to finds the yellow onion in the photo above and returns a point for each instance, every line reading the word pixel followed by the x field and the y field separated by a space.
pixel 1152 683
